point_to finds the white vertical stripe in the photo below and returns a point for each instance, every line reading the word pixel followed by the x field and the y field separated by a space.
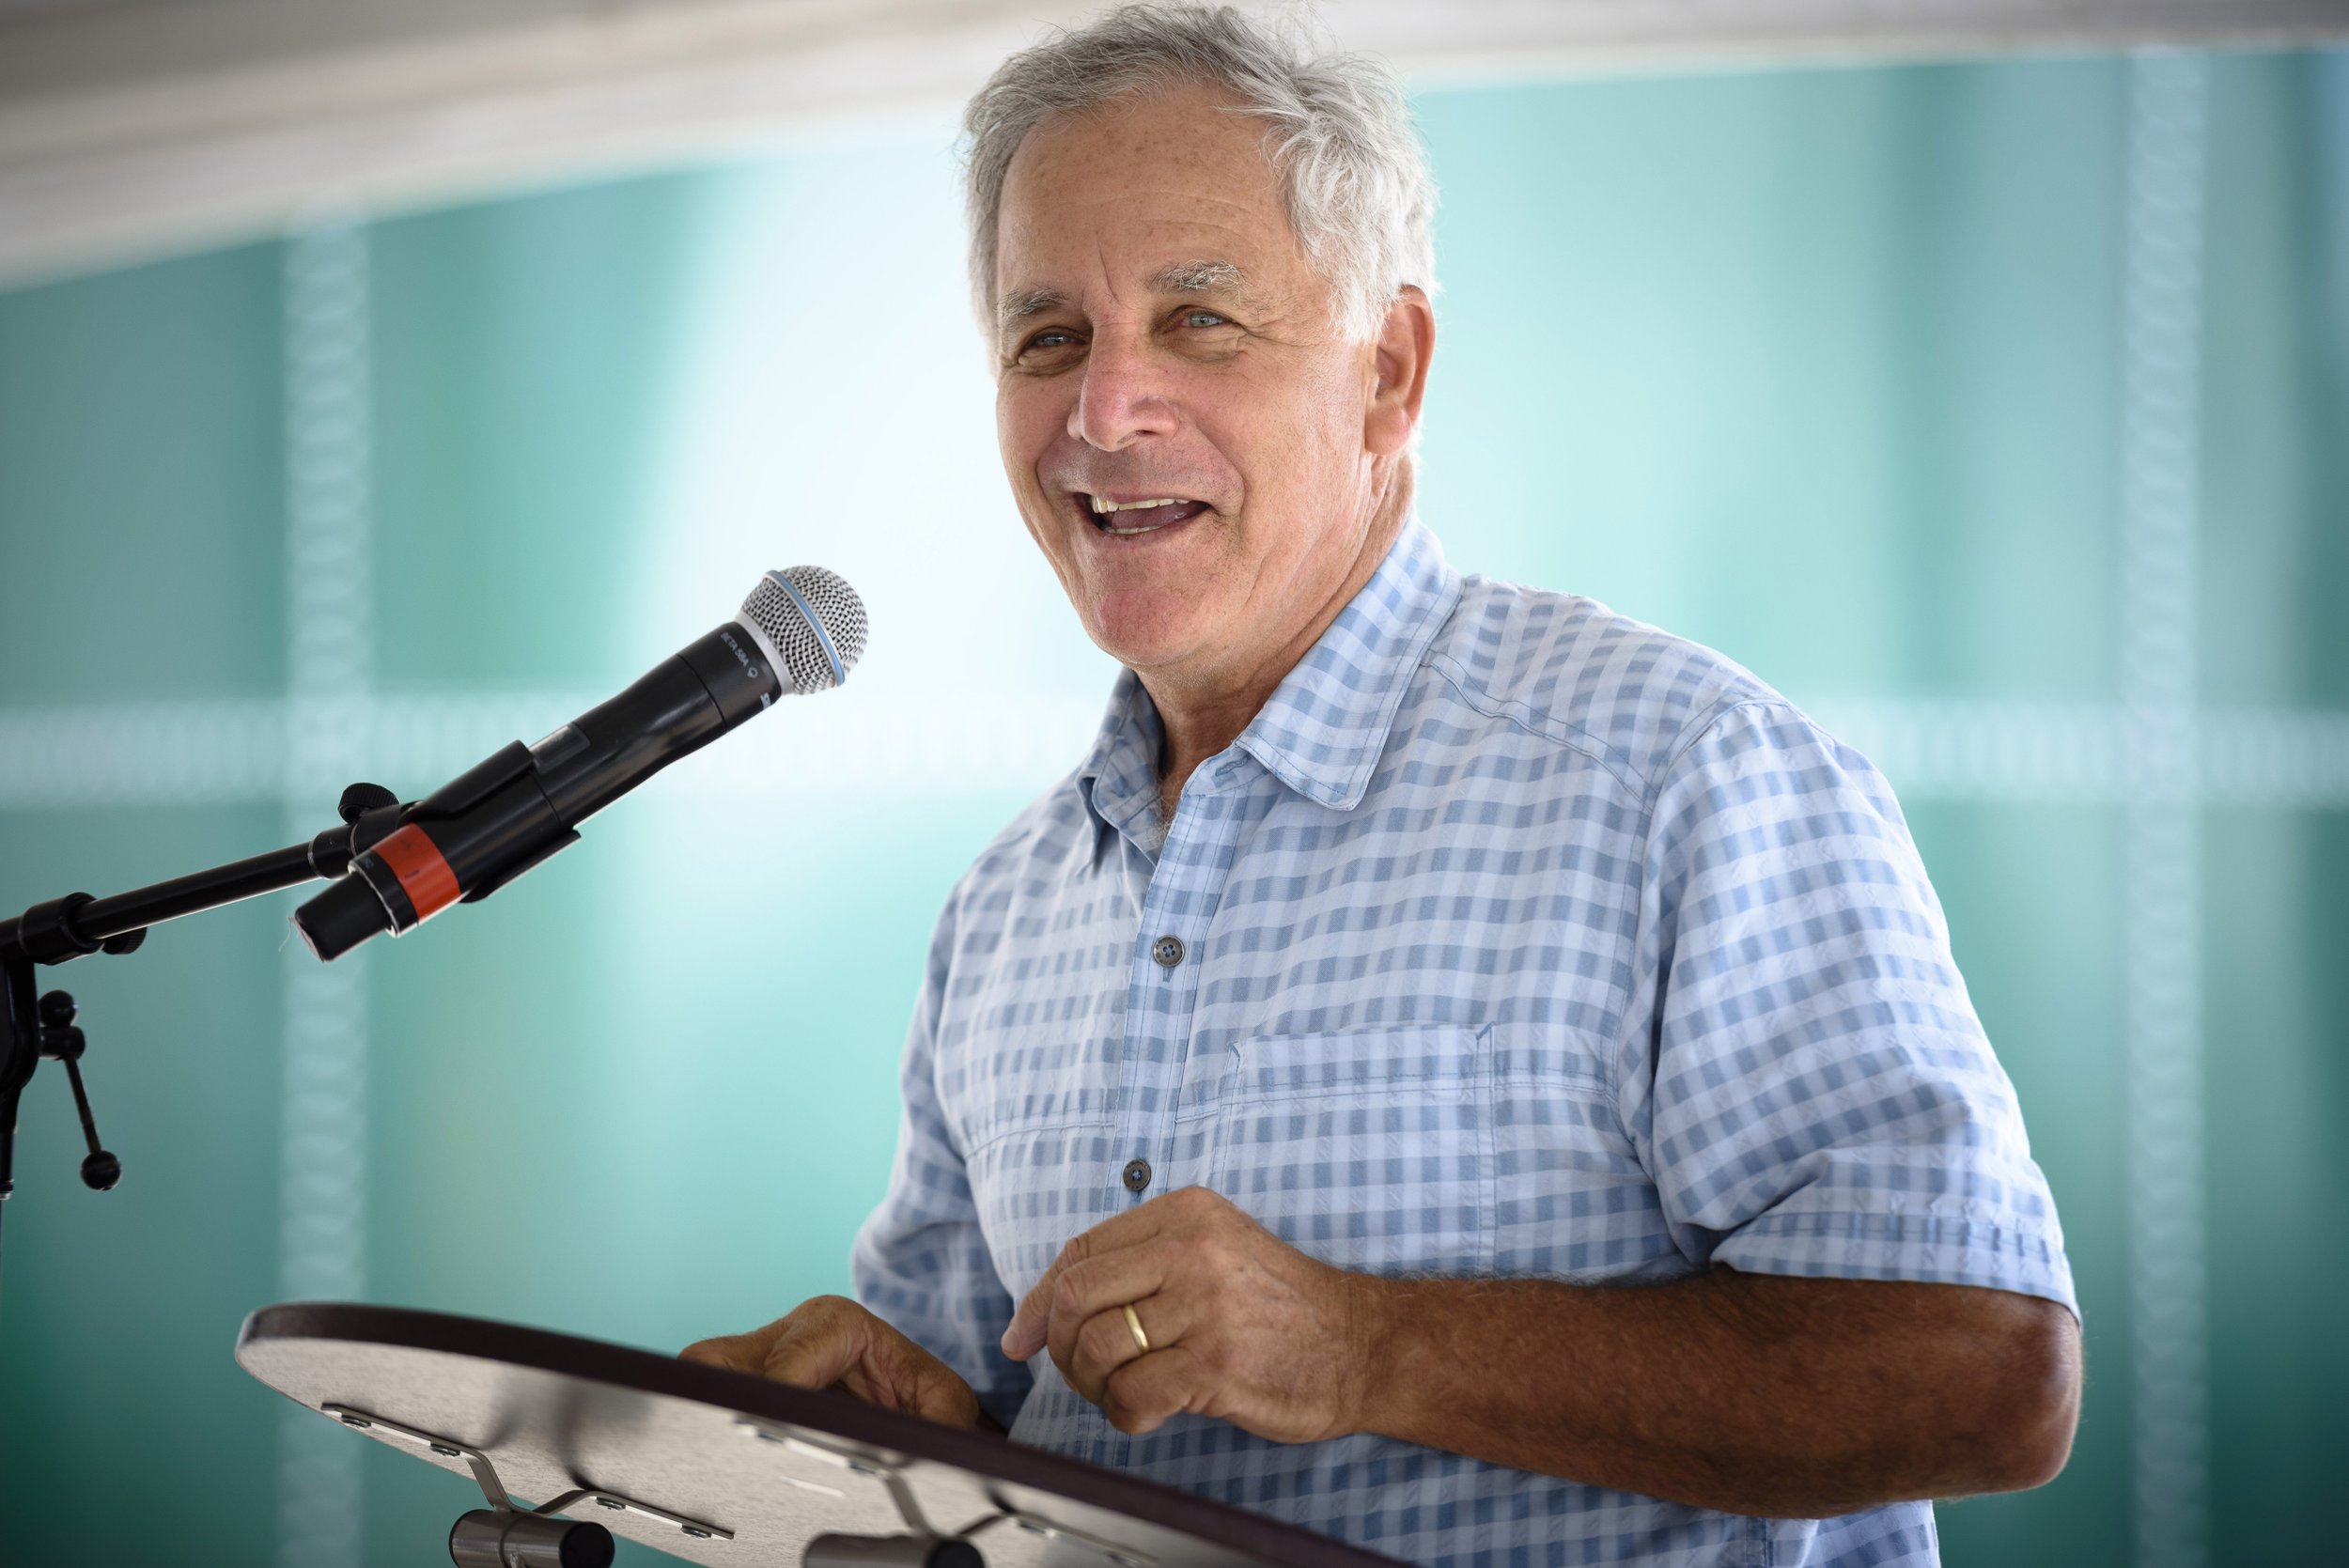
pixel 2160 479
pixel 330 636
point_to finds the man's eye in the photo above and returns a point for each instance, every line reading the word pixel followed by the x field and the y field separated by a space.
pixel 1205 318
pixel 1052 337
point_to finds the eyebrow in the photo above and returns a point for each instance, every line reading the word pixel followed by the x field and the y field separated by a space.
pixel 1015 308
pixel 1204 277
pixel 1199 277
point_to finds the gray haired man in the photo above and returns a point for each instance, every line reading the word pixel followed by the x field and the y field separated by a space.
pixel 1452 1067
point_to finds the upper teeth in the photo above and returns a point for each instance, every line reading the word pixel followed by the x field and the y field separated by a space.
pixel 1101 503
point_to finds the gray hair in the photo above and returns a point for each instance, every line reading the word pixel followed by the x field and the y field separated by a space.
pixel 1354 179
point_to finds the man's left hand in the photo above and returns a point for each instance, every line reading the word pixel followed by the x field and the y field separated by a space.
pixel 1240 1324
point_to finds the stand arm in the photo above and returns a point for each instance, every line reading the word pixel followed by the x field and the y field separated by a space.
pixel 77 926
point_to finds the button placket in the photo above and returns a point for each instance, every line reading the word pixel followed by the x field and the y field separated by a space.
pixel 1162 991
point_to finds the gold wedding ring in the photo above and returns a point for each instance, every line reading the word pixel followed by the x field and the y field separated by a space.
pixel 1142 1341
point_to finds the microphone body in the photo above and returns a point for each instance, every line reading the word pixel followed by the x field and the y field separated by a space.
pixel 515 807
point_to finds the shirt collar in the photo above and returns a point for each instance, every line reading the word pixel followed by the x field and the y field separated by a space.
pixel 1324 727
pixel 1119 779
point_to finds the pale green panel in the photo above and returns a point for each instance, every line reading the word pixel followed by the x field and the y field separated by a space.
pixel 1812 366
pixel 2033 897
pixel 127 1434
pixel 522 356
pixel 2276 389
pixel 2276 562
pixel 793 948
pixel 140 517
pixel 649 1090
pixel 141 484
pixel 2276 1071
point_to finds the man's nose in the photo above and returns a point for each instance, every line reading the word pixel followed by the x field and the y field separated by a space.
pixel 1124 397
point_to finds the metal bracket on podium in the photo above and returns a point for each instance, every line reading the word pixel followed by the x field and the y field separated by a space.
pixel 492 1540
pixel 909 1508
pixel 1120 1556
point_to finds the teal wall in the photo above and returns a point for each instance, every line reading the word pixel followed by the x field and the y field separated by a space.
pixel 1825 368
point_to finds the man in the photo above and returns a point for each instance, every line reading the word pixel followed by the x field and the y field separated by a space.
pixel 1453 1067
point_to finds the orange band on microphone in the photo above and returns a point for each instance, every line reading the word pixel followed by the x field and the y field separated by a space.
pixel 423 871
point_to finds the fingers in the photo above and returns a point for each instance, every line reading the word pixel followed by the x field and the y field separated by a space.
pixel 735 1351
pixel 1031 1322
pixel 1143 1393
pixel 1240 1324
pixel 820 1343
pixel 1027 1333
pixel 911 1379
pixel 1104 1344
pixel 804 1346
pixel 832 1342
pixel 1100 1284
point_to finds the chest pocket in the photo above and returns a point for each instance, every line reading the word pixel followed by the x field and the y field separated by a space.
pixel 1372 1151
pixel 1438 1149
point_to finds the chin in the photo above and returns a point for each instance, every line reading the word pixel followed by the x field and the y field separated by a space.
pixel 1142 640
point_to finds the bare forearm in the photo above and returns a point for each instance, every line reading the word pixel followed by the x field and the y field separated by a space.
pixel 1739 1392
pixel 1751 1393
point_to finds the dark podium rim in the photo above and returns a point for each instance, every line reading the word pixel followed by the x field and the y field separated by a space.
pixel 983 1453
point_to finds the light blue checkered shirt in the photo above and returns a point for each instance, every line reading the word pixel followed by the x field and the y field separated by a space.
pixel 1518 940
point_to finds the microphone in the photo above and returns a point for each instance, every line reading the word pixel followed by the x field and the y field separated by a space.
pixel 800 631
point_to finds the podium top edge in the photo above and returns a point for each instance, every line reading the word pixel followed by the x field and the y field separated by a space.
pixel 824 1410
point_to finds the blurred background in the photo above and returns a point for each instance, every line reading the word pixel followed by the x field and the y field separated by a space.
pixel 379 385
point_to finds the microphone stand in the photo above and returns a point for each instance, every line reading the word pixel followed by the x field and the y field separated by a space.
pixel 77 926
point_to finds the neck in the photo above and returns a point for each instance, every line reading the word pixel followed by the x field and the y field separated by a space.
pixel 1204 714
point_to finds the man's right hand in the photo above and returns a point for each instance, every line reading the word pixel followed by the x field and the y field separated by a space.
pixel 831 1342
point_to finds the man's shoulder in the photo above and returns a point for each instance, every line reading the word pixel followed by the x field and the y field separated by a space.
pixel 1560 665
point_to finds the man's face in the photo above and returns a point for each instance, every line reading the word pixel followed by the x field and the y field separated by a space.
pixel 1161 337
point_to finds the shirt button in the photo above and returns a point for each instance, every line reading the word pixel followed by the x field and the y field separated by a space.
pixel 1168 950
pixel 1137 1174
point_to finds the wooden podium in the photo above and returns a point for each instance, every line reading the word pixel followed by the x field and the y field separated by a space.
pixel 720 1468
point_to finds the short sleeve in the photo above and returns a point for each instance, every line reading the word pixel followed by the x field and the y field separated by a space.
pixel 920 1261
pixel 1806 1078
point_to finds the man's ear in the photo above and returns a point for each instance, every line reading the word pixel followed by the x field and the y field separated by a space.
pixel 1398 366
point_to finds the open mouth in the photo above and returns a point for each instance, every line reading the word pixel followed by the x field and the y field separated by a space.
pixel 1131 518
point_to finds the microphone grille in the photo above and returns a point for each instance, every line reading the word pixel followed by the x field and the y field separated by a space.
pixel 815 622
